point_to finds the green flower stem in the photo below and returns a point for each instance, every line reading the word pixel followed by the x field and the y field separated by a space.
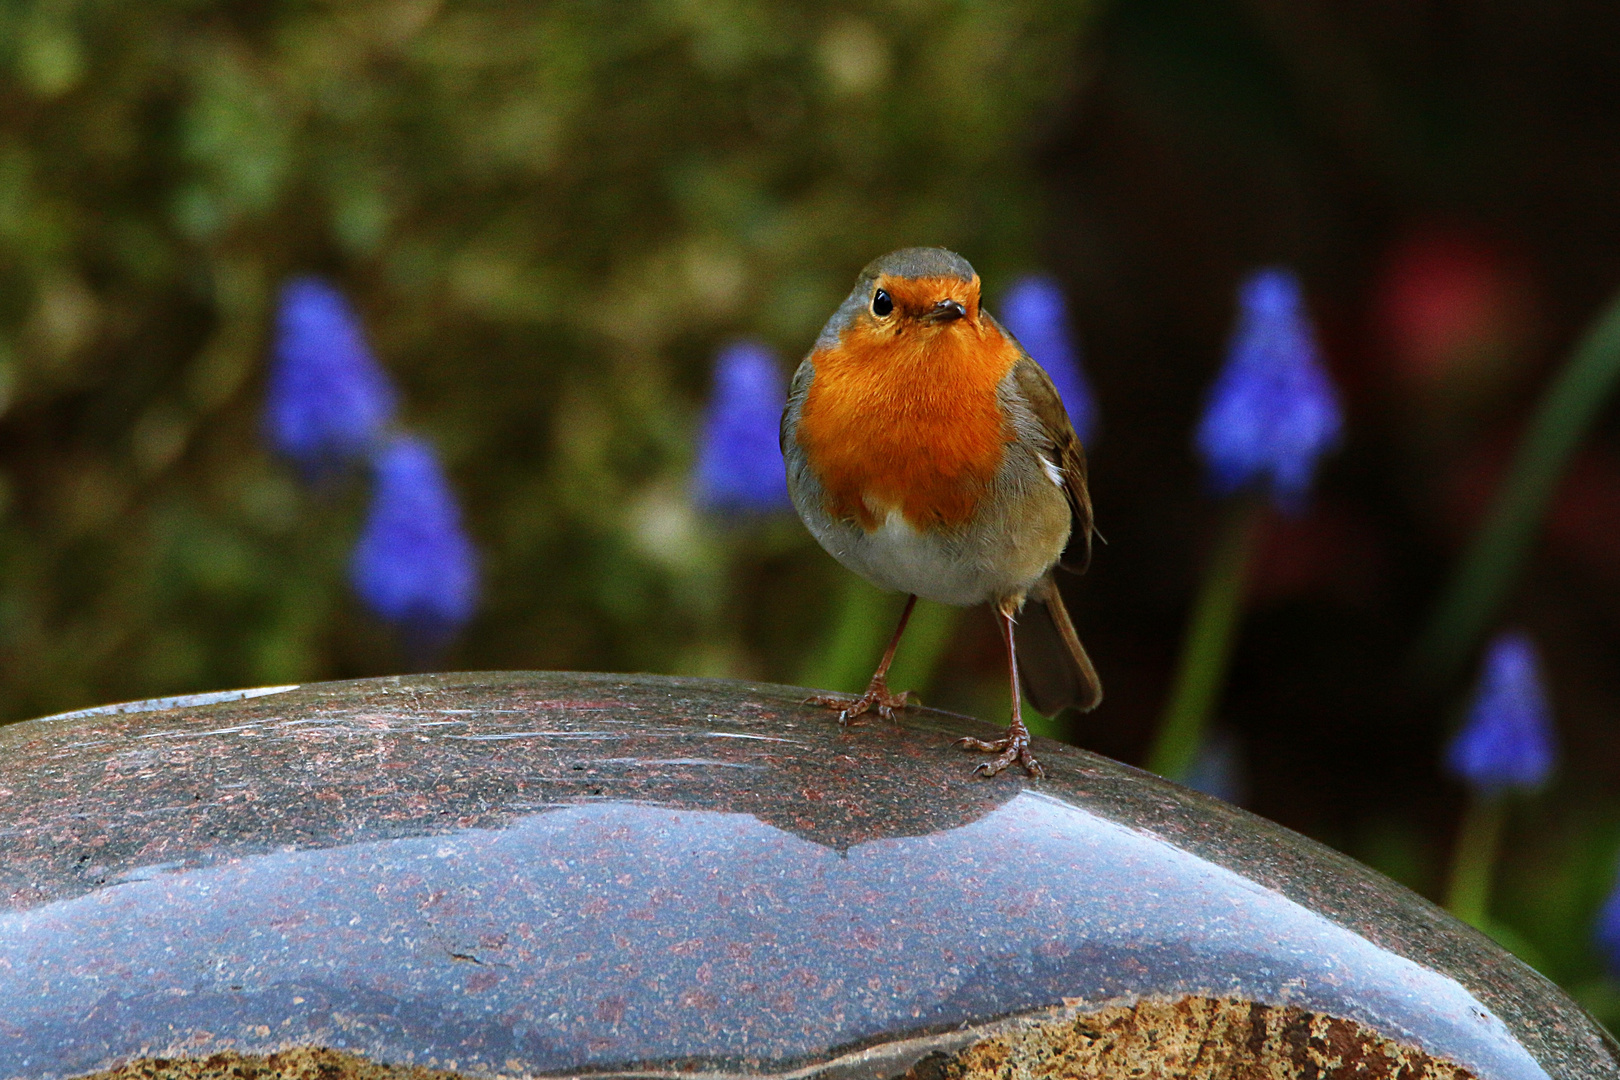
pixel 928 635
pixel 1482 578
pixel 1208 647
pixel 1472 866
pixel 861 626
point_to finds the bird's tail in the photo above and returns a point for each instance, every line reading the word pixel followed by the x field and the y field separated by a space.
pixel 1054 666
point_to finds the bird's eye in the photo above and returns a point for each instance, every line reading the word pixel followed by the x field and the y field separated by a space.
pixel 881 304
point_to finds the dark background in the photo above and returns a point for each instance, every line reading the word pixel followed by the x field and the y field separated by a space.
pixel 1444 177
pixel 551 216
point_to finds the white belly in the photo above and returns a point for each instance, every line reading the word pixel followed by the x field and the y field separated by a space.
pixel 946 567
pixel 897 557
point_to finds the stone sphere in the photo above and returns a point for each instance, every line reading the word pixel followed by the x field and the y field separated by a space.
pixel 527 873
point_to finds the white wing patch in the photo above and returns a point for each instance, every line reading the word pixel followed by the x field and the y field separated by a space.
pixel 1053 473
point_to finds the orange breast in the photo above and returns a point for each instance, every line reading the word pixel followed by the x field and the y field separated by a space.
pixel 908 422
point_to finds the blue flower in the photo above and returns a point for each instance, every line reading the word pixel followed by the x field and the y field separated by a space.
pixel 739 461
pixel 1219 769
pixel 413 565
pixel 1272 410
pixel 1507 741
pixel 1036 313
pixel 1607 932
pixel 328 402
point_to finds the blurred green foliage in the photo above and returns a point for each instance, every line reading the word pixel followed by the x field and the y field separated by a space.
pixel 1486 571
pixel 549 214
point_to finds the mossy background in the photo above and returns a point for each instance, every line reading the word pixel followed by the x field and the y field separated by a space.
pixel 548 214
pixel 551 215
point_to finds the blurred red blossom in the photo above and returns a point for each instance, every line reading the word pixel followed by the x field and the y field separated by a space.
pixel 1453 309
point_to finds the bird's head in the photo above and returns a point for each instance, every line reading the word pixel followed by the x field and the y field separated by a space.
pixel 909 297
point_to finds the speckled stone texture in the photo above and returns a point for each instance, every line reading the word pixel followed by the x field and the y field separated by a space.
pixel 510 874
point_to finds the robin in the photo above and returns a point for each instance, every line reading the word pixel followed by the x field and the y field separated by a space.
pixel 930 454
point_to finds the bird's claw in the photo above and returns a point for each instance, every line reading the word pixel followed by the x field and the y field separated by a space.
pixel 876 699
pixel 1014 747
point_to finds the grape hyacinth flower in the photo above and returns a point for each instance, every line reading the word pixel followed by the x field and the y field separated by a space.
pixel 1607 932
pixel 1273 410
pixel 414 565
pixel 739 462
pixel 1507 741
pixel 328 402
pixel 1218 769
pixel 1036 313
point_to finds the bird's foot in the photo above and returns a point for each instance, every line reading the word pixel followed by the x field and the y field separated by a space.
pixel 876 699
pixel 1013 747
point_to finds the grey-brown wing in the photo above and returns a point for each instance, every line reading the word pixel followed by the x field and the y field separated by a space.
pixel 1037 389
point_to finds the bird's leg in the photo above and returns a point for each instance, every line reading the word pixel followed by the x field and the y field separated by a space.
pixel 1014 747
pixel 877 694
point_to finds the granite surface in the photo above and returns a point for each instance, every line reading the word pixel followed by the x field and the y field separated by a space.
pixel 525 873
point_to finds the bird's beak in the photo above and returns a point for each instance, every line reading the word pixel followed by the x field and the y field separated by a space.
pixel 945 311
